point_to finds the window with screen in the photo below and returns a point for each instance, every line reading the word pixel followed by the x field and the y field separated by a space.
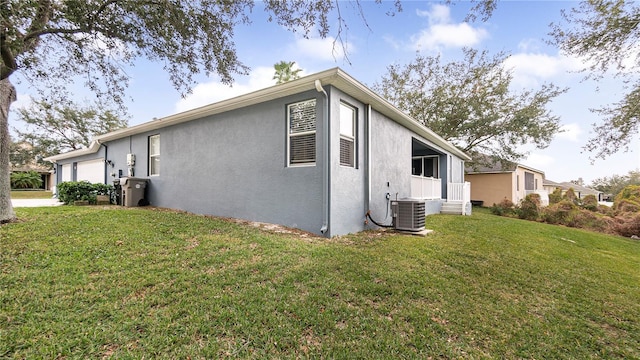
pixel 301 124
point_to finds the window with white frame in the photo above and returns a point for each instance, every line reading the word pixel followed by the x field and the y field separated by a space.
pixel 154 155
pixel 301 125
pixel 426 166
pixel 347 135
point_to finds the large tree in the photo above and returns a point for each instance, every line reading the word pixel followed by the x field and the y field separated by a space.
pixel 606 35
pixel 52 42
pixel 470 103
pixel 64 126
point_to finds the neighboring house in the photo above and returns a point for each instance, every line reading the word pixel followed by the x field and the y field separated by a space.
pixel 551 186
pixel 580 191
pixel 314 153
pixel 509 180
pixel 46 174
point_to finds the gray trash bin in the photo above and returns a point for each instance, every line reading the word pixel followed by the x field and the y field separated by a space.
pixel 133 191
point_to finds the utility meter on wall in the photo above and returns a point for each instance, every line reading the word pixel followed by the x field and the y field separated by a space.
pixel 131 159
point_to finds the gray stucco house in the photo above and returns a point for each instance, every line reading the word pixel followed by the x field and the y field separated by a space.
pixel 314 153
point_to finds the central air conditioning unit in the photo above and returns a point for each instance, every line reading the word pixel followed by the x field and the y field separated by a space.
pixel 408 214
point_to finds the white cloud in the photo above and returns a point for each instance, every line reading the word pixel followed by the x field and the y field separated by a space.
pixel 570 132
pixel 443 32
pixel 437 15
pixel 531 68
pixel 538 161
pixel 327 49
pixel 213 91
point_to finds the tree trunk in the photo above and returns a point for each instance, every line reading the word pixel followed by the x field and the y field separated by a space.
pixel 7 96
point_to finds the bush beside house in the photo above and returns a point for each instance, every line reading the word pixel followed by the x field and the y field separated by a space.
pixel 71 191
pixel 622 219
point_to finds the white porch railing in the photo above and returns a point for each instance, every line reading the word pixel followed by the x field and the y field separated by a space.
pixel 426 187
pixel 429 188
pixel 459 192
pixel 544 196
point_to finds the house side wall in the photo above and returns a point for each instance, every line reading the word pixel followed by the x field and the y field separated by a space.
pixel 519 190
pixel 234 165
pixel 99 155
pixel 491 188
pixel 390 165
pixel 347 187
pixel 391 154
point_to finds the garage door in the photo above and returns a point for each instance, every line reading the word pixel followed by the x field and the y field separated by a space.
pixel 66 172
pixel 91 171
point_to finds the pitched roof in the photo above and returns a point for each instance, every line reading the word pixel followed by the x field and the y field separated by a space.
pixel 490 165
pixel 570 185
pixel 336 77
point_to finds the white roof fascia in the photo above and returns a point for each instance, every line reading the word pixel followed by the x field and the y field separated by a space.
pixel 92 149
pixel 531 169
pixel 334 76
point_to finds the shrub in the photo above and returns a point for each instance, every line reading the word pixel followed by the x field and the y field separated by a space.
pixel 628 200
pixel 558 213
pixel 569 214
pixel 570 195
pixel 529 208
pixel 25 180
pixel 627 206
pixel 71 191
pixel 506 207
pixel 590 202
pixel 627 224
pixel 605 210
pixel 556 196
pixel 585 219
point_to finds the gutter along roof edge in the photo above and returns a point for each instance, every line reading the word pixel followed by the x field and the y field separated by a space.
pixel 335 76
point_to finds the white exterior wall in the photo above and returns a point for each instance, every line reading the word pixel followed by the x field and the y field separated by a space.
pixel 91 171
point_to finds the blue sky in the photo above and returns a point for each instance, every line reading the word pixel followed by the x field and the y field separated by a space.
pixel 518 27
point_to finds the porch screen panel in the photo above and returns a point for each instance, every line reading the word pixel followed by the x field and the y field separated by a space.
pixel 302 132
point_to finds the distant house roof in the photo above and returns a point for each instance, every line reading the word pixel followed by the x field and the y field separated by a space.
pixel 27 168
pixel 489 166
pixel 547 182
pixel 336 77
pixel 568 185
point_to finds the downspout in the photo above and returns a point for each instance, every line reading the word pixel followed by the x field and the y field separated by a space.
pixel 325 158
pixel 106 165
pixel 367 188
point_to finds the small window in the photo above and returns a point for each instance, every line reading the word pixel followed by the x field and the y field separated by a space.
pixel 154 155
pixel 347 135
pixel 301 125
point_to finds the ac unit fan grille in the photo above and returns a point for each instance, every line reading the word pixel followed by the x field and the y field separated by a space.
pixel 410 215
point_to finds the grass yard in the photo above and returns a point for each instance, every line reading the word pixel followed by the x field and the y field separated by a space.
pixel 31 194
pixel 107 282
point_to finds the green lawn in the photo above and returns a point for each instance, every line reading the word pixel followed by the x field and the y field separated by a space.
pixel 30 194
pixel 106 282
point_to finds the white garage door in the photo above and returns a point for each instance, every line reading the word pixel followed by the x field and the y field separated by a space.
pixel 91 171
pixel 66 172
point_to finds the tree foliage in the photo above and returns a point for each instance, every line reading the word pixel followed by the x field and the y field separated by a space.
pixel 284 72
pixel 52 43
pixel 25 180
pixel 64 126
pixel 606 35
pixel 470 103
pixel 615 183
